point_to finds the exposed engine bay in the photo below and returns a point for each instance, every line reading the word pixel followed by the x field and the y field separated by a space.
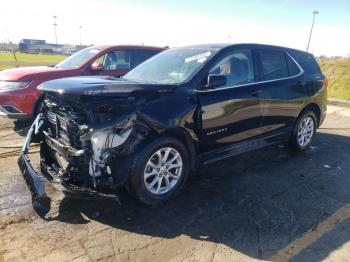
pixel 98 135
pixel 85 146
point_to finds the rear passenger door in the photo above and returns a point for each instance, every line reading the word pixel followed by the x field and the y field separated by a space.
pixel 282 89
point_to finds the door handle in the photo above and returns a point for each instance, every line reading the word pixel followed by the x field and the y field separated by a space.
pixel 256 92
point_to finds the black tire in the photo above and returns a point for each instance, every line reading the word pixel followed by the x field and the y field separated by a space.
pixel 295 143
pixel 136 184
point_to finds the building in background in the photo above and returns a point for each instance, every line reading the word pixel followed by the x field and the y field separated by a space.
pixel 10 47
pixel 37 46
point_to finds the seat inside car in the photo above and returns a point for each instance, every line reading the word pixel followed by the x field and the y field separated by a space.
pixel 236 70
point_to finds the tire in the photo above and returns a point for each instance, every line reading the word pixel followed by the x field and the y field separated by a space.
pixel 143 172
pixel 303 131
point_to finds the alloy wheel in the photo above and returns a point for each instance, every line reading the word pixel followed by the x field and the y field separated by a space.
pixel 306 131
pixel 163 170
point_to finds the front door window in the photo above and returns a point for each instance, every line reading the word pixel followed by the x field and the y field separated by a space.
pixel 117 60
pixel 237 67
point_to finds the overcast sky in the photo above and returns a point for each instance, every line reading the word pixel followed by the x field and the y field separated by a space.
pixel 181 22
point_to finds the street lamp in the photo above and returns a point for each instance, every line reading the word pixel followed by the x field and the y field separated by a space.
pixel 55 26
pixel 312 27
pixel 80 27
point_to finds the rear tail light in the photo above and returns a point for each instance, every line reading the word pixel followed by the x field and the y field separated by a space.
pixel 325 82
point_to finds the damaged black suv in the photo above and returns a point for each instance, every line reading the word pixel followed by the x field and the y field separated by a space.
pixel 181 109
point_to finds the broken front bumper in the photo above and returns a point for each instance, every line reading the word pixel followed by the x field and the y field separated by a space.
pixel 36 181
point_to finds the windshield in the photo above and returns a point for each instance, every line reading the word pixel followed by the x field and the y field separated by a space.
pixel 79 58
pixel 172 66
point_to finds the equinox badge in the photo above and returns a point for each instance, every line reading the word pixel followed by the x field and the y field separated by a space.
pixel 215 132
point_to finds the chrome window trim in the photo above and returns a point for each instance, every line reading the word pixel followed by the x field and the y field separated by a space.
pixel 258 82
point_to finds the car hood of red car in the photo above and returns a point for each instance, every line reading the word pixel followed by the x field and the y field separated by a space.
pixel 26 73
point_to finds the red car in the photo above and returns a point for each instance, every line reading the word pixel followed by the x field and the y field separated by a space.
pixel 20 98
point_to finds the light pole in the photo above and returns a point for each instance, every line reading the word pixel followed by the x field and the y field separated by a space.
pixel 55 26
pixel 80 27
pixel 312 27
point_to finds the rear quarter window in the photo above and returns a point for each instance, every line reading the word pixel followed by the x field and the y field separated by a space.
pixel 307 62
pixel 293 69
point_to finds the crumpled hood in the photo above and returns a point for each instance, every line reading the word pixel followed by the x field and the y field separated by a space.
pixel 15 74
pixel 101 86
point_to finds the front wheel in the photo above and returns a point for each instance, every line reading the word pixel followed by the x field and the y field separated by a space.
pixel 159 171
pixel 303 131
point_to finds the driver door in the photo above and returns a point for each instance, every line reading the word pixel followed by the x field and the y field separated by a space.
pixel 233 112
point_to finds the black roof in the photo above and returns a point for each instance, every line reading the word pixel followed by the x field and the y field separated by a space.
pixel 219 46
pixel 208 46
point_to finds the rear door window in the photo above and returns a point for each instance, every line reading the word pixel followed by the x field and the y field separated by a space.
pixel 139 56
pixel 273 65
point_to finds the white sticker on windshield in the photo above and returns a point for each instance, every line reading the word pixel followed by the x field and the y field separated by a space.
pixel 200 57
pixel 94 51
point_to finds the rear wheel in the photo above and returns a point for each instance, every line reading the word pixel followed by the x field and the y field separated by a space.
pixel 303 131
pixel 159 171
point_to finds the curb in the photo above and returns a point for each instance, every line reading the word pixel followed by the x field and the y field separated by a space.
pixel 338 102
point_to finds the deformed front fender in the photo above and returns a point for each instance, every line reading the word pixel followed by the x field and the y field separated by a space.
pixel 175 115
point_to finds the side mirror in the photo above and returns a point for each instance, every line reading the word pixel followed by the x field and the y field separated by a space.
pixel 96 66
pixel 216 80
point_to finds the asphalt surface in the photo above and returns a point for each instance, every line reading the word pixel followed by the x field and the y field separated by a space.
pixel 264 205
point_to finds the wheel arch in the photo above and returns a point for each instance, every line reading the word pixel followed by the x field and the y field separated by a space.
pixel 314 108
pixel 184 136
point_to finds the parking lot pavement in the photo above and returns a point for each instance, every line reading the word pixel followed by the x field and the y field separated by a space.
pixel 264 205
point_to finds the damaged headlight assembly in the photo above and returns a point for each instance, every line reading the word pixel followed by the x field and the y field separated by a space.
pixel 102 142
pixel 105 141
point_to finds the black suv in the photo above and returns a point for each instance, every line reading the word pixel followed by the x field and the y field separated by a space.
pixel 181 109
